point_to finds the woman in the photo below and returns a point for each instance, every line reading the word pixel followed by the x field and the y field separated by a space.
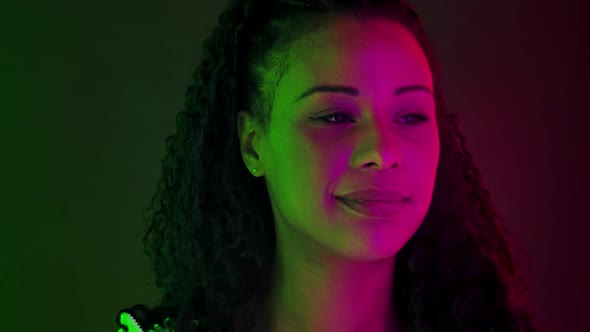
pixel 318 183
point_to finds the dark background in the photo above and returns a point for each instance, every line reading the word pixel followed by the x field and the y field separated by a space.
pixel 92 90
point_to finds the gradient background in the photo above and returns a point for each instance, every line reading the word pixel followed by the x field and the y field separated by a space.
pixel 91 92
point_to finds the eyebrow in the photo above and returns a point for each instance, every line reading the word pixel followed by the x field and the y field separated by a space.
pixel 351 91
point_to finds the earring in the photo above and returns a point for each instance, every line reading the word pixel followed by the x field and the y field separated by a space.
pixel 254 170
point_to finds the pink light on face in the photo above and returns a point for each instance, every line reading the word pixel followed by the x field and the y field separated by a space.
pixel 377 76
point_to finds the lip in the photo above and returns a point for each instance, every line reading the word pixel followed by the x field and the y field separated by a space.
pixel 374 195
pixel 374 209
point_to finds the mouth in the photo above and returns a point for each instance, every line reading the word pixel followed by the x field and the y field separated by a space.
pixel 373 209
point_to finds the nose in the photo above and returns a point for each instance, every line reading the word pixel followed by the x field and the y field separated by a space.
pixel 377 147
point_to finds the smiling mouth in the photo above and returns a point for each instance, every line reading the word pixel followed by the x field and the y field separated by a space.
pixel 374 209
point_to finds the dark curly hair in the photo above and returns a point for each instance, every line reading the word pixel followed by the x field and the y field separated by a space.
pixel 210 233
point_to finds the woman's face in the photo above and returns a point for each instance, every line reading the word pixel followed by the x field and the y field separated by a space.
pixel 376 141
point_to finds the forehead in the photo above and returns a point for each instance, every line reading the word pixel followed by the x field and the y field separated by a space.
pixel 378 54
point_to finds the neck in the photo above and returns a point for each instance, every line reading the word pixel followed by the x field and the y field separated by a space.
pixel 347 296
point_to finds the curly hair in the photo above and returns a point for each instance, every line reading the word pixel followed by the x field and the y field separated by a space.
pixel 210 235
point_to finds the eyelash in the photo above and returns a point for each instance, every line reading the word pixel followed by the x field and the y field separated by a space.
pixel 421 118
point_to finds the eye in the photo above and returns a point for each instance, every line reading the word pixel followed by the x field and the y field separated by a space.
pixel 333 115
pixel 419 118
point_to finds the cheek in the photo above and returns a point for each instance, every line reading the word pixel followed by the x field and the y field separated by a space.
pixel 298 172
pixel 423 164
pixel 423 178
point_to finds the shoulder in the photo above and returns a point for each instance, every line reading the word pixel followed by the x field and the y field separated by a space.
pixel 140 318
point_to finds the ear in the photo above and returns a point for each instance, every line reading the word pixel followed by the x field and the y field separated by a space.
pixel 249 136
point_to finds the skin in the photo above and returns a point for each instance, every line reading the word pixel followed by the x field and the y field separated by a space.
pixel 334 270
